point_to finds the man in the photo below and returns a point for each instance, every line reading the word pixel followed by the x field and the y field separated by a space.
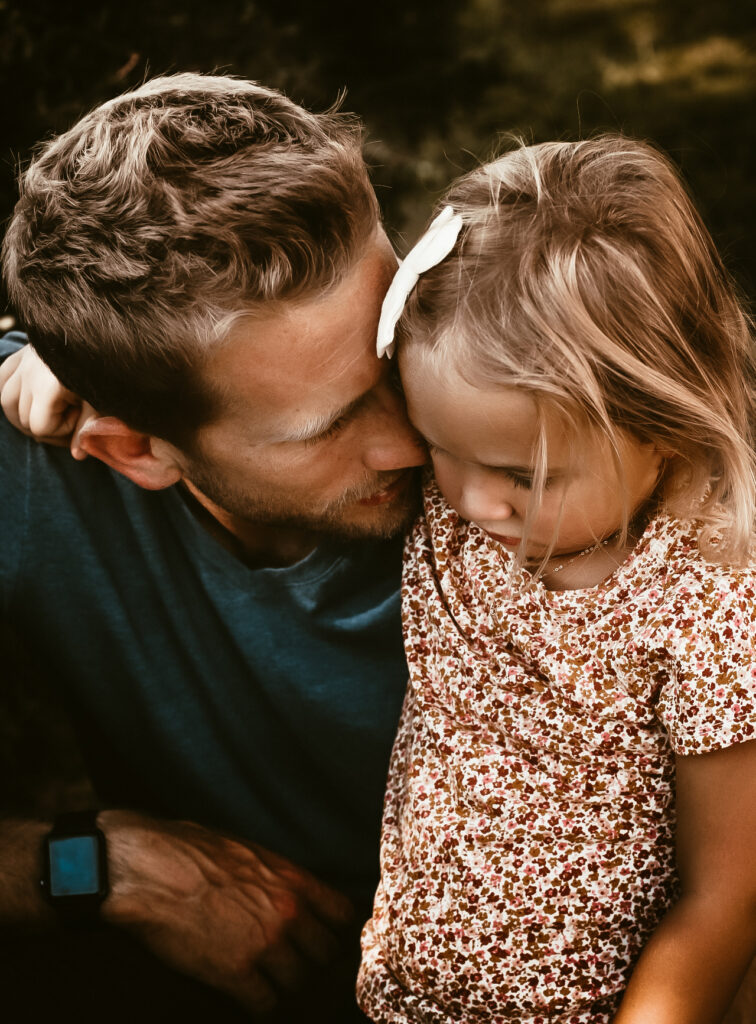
pixel 216 591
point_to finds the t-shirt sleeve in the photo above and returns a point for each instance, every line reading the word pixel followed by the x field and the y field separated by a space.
pixel 11 342
pixel 708 699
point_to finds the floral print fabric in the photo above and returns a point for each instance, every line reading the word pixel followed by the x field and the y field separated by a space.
pixel 528 836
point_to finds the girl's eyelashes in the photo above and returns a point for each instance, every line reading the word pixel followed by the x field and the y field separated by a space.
pixel 523 480
pixel 518 479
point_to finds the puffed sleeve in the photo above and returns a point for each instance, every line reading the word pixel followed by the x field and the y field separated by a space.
pixel 708 699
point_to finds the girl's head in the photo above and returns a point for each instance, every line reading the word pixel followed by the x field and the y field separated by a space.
pixel 581 351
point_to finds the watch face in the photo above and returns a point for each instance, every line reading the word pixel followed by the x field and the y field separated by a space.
pixel 74 866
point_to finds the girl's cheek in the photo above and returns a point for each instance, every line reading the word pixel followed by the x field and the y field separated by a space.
pixel 448 482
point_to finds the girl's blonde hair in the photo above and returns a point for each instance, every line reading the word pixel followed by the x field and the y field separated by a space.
pixel 584 275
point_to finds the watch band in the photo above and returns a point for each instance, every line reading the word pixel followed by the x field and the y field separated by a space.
pixel 72 823
pixel 75 870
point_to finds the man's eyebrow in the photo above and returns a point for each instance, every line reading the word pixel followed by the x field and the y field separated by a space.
pixel 316 425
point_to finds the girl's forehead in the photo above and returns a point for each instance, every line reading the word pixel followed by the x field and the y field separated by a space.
pixel 488 421
pixel 437 386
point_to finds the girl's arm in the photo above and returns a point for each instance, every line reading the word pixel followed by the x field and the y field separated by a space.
pixel 37 404
pixel 690 970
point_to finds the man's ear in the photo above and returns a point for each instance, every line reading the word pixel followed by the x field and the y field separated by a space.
pixel 148 461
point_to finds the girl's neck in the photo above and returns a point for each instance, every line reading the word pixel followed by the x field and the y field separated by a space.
pixel 590 570
pixel 595 564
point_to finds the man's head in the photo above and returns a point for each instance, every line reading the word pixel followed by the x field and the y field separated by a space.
pixel 181 223
pixel 163 215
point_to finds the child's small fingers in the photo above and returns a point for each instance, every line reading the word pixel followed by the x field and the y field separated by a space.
pixel 68 422
pixel 9 399
pixel 8 367
pixel 49 390
pixel 25 399
pixel 86 413
pixel 46 420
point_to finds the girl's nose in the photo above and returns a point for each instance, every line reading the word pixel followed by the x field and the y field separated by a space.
pixel 480 502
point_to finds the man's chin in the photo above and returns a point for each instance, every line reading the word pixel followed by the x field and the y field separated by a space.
pixel 351 518
pixel 391 523
pixel 364 521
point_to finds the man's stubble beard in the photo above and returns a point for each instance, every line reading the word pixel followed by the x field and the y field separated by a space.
pixel 332 521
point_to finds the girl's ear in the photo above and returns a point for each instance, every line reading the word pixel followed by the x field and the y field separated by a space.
pixel 664 453
pixel 146 460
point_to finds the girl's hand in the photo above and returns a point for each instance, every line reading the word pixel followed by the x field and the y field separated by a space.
pixel 37 404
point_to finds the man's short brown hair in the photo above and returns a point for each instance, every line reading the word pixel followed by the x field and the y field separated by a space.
pixel 162 216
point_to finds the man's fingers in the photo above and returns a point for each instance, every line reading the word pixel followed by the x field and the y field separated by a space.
pixel 283 965
pixel 314 939
pixel 253 991
pixel 330 906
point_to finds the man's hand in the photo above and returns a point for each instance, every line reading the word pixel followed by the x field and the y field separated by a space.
pixel 37 404
pixel 231 914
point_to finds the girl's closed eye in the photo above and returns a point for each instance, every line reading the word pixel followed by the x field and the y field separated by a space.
pixel 527 480
pixel 519 479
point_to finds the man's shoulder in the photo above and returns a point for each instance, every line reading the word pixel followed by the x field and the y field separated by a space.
pixel 11 342
pixel 11 440
pixel 41 481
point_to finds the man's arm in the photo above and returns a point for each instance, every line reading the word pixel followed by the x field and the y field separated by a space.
pixel 21 902
pixel 692 966
pixel 231 914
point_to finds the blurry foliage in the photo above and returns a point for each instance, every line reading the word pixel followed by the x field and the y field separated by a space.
pixel 437 83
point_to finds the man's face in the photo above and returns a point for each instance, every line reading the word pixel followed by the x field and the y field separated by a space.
pixel 313 435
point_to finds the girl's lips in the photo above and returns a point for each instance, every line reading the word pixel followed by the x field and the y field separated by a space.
pixel 510 542
pixel 380 497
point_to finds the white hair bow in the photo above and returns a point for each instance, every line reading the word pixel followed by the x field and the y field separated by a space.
pixel 434 246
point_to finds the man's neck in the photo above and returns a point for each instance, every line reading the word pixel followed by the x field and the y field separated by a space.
pixel 258 545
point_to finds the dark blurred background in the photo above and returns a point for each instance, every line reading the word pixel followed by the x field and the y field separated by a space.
pixel 436 82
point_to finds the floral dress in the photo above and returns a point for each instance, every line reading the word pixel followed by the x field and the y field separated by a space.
pixel 528 836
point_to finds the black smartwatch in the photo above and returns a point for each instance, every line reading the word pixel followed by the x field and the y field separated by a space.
pixel 75 868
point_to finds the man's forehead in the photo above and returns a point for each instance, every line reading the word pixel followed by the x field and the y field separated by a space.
pixel 305 358
pixel 286 354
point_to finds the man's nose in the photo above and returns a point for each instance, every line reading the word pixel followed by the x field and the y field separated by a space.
pixel 393 442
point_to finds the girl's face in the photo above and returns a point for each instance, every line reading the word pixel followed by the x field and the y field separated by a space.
pixel 483 445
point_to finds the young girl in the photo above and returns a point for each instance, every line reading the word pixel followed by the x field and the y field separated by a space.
pixel 571 808
pixel 571 805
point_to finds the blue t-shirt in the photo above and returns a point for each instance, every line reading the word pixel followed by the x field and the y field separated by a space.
pixel 262 702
